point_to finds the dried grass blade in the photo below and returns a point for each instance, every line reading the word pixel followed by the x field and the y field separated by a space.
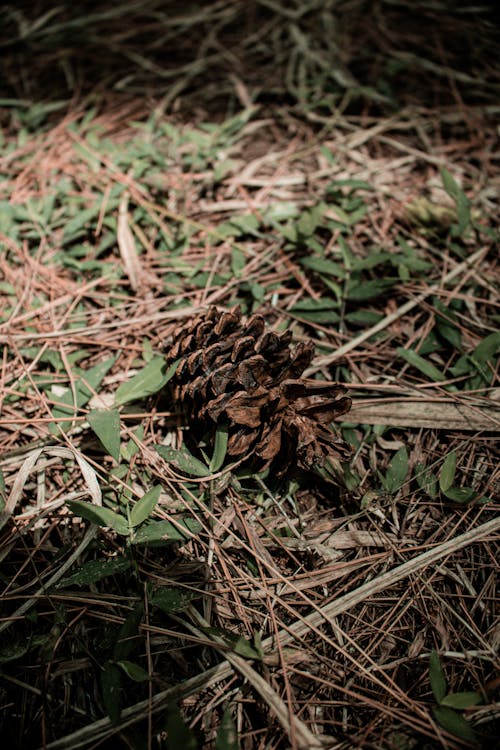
pixel 18 486
pixel 126 244
pixel 428 413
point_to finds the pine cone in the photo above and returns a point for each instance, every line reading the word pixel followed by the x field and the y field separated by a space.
pixel 247 377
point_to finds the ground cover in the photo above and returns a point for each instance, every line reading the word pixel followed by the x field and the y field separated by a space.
pixel 155 593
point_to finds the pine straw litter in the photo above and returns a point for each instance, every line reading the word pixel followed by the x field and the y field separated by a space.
pixel 341 590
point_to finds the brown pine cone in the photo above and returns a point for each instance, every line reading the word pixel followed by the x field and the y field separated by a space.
pixel 245 376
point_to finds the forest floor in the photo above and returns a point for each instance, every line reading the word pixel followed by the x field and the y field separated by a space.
pixel 154 593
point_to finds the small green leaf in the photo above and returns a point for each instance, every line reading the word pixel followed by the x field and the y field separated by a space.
pixel 238 262
pixel 351 479
pixel 454 723
pixel 397 471
pixel 427 481
pixel 134 671
pixel 99 515
pixel 415 360
pixel 436 677
pixel 447 473
pixel 95 570
pixel 447 324
pixel 145 506
pixel 257 642
pixel 311 219
pixel 182 459
pixel 11 651
pixel 460 494
pixel 363 317
pixel 106 425
pixel 227 736
pixel 235 642
pixel 84 387
pixel 325 266
pixel 77 226
pixel 317 310
pixel 462 203
pixel 147 381
pixel 165 531
pixel 179 734
pixel 220 448
pixel 487 348
pixel 170 599
pixel 246 224
pixel 244 648
pixel 281 211
pixel 111 687
pixel 126 638
pixel 462 700
pixel 359 291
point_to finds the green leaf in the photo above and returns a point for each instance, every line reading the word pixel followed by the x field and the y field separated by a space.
pixel 165 531
pixel 487 348
pixel 220 448
pixel 78 225
pixel 183 460
pixel 322 265
pixel 145 506
pixel 374 259
pixel 415 360
pixel 106 425
pixel 10 651
pixel 447 473
pixel 126 637
pixel 99 515
pixel 244 648
pixel 179 734
pixel 427 481
pixel 235 642
pixel 84 387
pixel 351 479
pixel 436 677
pixel 147 381
pixel 446 324
pixel 311 219
pixel 95 570
pixel 317 310
pixel 245 224
pixel 460 494
pixel 363 317
pixel 462 203
pixel 454 723
pixel 170 599
pixel 111 687
pixel 350 182
pixel 359 291
pixel 462 700
pixel 238 262
pixel 397 471
pixel 227 736
pixel 281 211
pixel 134 671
